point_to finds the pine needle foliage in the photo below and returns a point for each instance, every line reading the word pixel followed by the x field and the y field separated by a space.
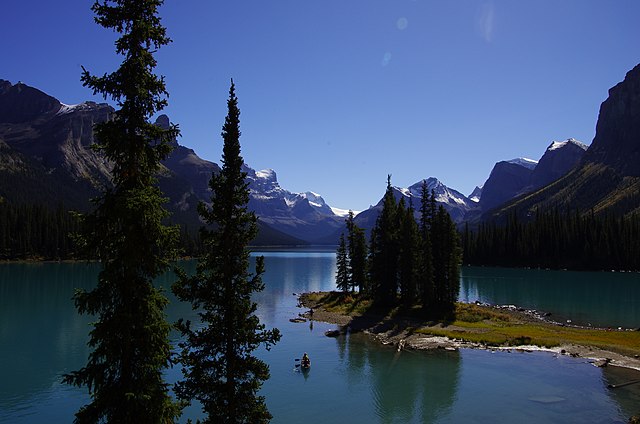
pixel 218 366
pixel 130 339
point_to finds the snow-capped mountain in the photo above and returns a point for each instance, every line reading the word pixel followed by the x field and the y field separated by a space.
pixel 559 158
pixel 525 162
pixel 456 203
pixel 476 194
pixel 46 157
pixel 507 180
pixel 515 177
pixel 606 178
pixel 302 215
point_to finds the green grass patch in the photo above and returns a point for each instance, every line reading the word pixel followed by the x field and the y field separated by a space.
pixel 484 324
pixel 471 313
pixel 342 303
pixel 518 333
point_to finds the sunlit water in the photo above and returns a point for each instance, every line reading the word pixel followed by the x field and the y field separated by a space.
pixel 353 378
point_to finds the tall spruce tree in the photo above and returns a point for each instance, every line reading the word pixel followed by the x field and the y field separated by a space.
pixel 219 368
pixel 357 253
pixel 342 265
pixel 383 257
pixel 129 340
pixel 447 261
pixel 408 254
pixel 425 274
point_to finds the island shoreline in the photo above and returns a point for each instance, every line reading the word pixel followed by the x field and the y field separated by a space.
pixel 400 333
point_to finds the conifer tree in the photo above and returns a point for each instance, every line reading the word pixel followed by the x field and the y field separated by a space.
pixel 425 274
pixel 408 254
pixel 357 253
pixel 129 341
pixel 447 260
pixel 219 368
pixel 384 252
pixel 342 264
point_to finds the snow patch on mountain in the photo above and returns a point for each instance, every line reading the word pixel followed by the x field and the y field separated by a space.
pixel 560 144
pixel 264 185
pixel 456 203
pixel 526 162
pixel 66 109
pixel 343 212
pixel 476 194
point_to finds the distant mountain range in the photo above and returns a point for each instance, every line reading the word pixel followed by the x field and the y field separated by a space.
pixel 46 157
pixel 508 180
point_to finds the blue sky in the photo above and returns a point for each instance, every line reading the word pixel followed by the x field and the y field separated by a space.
pixel 336 94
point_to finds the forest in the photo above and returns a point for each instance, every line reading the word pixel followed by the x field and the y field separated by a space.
pixel 409 263
pixel 557 240
pixel 551 239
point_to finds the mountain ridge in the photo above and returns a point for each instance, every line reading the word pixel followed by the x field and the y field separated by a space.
pixel 45 148
pixel 607 178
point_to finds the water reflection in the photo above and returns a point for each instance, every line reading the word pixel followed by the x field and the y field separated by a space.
pixel 406 386
pixel 41 334
pixel 352 377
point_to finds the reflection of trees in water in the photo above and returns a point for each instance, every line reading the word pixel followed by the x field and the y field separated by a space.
pixel 406 386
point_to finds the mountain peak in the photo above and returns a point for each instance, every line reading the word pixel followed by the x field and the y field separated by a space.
pixel 617 140
pixel 476 194
pixel 20 103
pixel 526 162
pixel 163 122
pixel 555 145
pixel 267 174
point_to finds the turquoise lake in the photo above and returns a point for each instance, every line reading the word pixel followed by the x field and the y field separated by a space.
pixel 353 379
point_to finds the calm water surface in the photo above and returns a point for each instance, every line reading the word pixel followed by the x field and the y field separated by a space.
pixel 602 299
pixel 353 379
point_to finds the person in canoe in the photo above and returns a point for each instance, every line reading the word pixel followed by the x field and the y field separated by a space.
pixel 305 362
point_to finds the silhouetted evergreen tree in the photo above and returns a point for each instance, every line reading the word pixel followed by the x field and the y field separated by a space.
pixel 420 261
pixel 129 341
pixel 342 264
pixel 383 254
pixel 357 254
pixel 447 261
pixel 425 263
pixel 408 254
pixel 219 368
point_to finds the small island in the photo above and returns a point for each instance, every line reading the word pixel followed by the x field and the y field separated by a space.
pixel 476 326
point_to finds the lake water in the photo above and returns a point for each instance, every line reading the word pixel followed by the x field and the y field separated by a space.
pixel 353 379
pixel 600 299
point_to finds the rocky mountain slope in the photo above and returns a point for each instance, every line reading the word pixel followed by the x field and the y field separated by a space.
pixel 507 180
pixel 607 177
pixel 517 177
pixel 559 158
pixel 46 157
